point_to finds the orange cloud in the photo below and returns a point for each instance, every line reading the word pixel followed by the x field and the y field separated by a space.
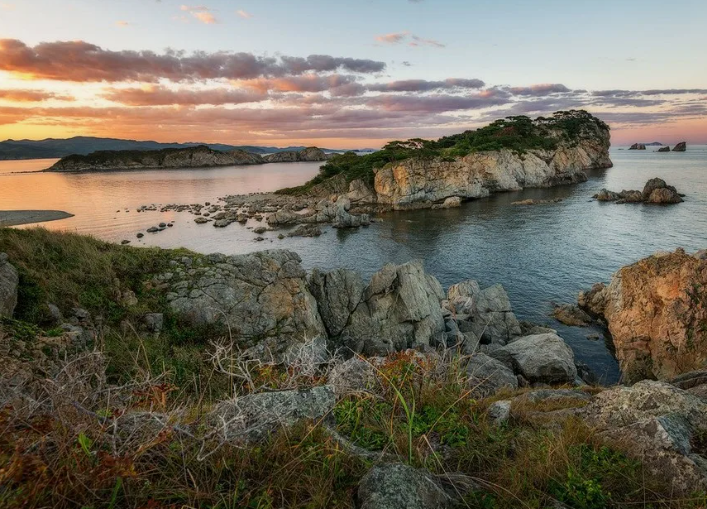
pixel 201 13
pixel 16 95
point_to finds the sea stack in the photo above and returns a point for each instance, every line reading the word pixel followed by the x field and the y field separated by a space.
pixel 680 147
pixel 637 146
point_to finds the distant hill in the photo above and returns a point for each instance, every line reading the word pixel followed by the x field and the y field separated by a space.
pixel 654 144
pixel 84 145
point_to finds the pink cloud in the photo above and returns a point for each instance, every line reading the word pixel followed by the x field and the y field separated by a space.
pixel 244 14
pixel 200 12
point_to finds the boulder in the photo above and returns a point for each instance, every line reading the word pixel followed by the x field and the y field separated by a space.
pixel 9 281
pixel 572 316
pixel 352 375
pixel 487 375
pixel 338 293
pixel 606 195
pixel 658 424
pixel 305 230
pixel 449 203
pixel 680 147
pixel 655 309
pixel 542 358
pixel 631 196
pixel 487 313
pixel 261 298
pixel 255 416
pixel 666 195
pixel 398 486
pixel 399 309
pixel 499 412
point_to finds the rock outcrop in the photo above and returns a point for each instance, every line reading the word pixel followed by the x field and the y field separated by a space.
pixel 664 149
pixel 306 155
pixel 398 486
pixel 422 183
pixel 637 146
pixel 398 309
pixel 659 424
pixel 680 147
pixel 655 310
pixel 656 191
pixel 541 358
pixel 170 158
pixel 9 279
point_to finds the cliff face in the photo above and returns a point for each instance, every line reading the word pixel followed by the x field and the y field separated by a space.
pixel 196 157
pixel 656 310
pixel 420 183
pixel 309 154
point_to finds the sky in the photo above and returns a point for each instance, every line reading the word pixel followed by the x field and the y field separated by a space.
pixel 345 73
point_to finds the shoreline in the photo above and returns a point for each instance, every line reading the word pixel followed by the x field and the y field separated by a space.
pixel 22 217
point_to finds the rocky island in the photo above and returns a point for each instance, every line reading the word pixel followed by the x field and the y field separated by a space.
pixel 656 191
pixel 175 158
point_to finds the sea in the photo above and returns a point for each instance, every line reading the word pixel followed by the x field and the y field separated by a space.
pixel 541 254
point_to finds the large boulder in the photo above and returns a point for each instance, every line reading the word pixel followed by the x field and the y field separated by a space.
pixel 657 190
pixel 658 424
pixel 255 416
pixel 486 313
pixel 487 375
pixel 398 486
pixel 261 298
pixel 399 309
pixel 655 310
pixel 9 280
pixel 542 358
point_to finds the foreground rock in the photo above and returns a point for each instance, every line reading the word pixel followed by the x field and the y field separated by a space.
pixel 658 424
pixel 655 310
pixel 398 486
pixel 9 280
pixel 541 358
pixel 656 191
pixel 422 183
pixel 256 416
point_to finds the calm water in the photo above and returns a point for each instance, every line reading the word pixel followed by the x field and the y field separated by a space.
pixel 541 254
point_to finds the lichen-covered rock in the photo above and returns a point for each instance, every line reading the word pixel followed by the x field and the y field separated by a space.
pixel 487 375
pixel 487 313
pixel 261 298
pixel 399 309
pixel 255 416
pixel 657 423
pixel 9 280
pixel 398 486
pixel 352 375
pixel 542 358
pixel 655 310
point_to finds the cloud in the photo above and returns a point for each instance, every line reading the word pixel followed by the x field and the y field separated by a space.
pixel 200 12
pixel 244 14
pixel 540 89
pixel 17 95
pixel 122 24
pixel 163 96
pixel 81 61
pixel 426 86
pixel 304 83
pixel 392 38
pixel 412 39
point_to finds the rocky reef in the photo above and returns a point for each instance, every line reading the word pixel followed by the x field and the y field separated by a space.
pixel 173 158
pixel 656 191
pixel 656 311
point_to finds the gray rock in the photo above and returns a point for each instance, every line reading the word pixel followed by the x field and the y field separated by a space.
pixel 255 416
pixel 338 293
pixel 399 309
pixel 499 412
pixel 55 313
pixel 397 486
pixel 9 281
pixel 487 375
pixel 488 312
pixel 352 375
pixel 306 230
pixel 543 358
pixel 154 322
pixel 262 298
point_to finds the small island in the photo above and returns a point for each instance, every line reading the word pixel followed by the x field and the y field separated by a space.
pixel 177 158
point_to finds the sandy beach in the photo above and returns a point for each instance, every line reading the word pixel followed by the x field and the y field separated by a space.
pixel 18 217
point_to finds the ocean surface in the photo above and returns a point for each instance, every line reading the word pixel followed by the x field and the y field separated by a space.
pixel 541 254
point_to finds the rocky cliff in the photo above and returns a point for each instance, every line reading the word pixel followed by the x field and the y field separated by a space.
pixel 419 183
pixel 309 154
pixel 656 311
pixel 171 158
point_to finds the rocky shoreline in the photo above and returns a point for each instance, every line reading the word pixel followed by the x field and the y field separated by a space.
pixel 20 217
